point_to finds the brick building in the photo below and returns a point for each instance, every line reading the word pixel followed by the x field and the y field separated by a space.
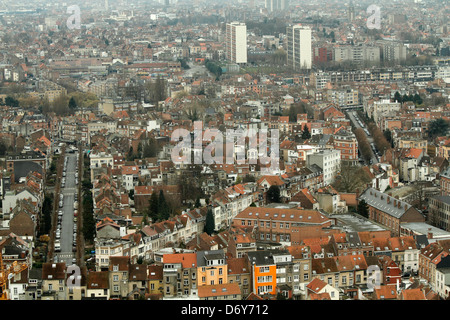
pixel 288 226
pixel 389 211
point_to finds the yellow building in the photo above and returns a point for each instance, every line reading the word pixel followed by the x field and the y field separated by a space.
pixel 212 267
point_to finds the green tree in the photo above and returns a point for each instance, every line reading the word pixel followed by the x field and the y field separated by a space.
pixel 397 97
pixel 3 149
pixel 438 128
pixel 306 134
pixel 153 207
pixel 163 209
pixel 209 222
pixel 150 149
pixel 72 104
pixel 47 207
pixel 363 208
pixel 197 203
pixel 273 194
pixel 12 102
pixel 89 229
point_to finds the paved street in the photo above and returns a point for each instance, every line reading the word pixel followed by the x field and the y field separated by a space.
pixel 67 222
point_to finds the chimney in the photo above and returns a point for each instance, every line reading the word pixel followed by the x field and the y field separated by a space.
pixel 429 234
pixel 406 207
pixel 395 203
pixel 388 199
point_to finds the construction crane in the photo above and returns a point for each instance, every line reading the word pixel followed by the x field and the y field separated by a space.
pixel 7 274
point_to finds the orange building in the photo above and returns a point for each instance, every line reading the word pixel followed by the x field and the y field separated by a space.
pixel 264 273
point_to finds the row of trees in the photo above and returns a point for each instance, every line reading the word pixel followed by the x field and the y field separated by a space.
pixel 416 98
pixel 158 209
pixel 363 144
pixel 88 229
pixel 379 138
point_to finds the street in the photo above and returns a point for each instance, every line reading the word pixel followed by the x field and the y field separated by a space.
pixel 67 224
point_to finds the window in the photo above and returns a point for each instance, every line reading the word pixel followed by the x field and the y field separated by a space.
pixel 115 278
pixel 115 288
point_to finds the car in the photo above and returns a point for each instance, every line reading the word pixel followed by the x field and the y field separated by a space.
pixel 74 219
pixel 74 261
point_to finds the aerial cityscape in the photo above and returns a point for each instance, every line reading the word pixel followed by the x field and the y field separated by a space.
pixel 237 150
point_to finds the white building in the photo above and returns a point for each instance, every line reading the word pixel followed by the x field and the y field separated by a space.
pixel 236 42
pixel 299 51
pixel 328 160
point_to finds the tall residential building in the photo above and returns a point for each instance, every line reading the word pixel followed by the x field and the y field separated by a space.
pixel 236 42
pixel 356 54
pixel 299 51
pixel 274 5
pixel 329 160
pixel 351 12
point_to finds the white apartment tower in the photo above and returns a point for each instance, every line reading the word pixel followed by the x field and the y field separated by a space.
pixel 236 42
pixel 299 52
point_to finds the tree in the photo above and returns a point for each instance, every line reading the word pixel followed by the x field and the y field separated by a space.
pixel 89 229
pixel 363 208
pixel 72 104
pixel 388 135
pixel 306 134
pixel 273 194
pixel 47 206
pixel 438 128
pixel 163 209
pixel 397 97
pixel 156 90
pixel 2 149
pixel 150 149
pixel 209 222
pixel 351 178
pixel 153 207
pixel 12 102
pixel 363 144
pixel 197 203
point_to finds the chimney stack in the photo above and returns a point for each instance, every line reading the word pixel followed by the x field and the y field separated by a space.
pixel 429 234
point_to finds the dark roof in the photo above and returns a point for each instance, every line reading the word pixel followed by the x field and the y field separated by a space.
pixel 23 168
pixel 444 199
pixel 378 200
pixel 261 257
